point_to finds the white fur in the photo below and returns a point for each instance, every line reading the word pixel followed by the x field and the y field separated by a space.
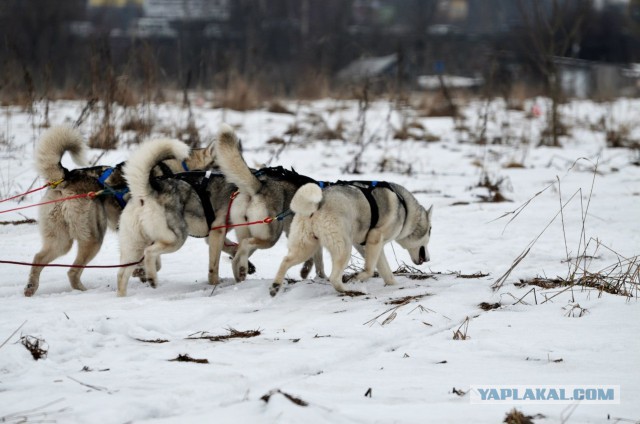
pixel 232 164
pixel 53 145
pixel 144 230
pixel 139 165
pixel 306 199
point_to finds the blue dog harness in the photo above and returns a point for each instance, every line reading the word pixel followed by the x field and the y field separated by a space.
pixel 117 194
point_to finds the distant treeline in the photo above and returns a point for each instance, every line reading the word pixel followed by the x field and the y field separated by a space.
pixel 295 47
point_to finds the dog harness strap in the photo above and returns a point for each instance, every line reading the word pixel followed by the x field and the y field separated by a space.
pixel 105 175
pixel 166 171
pixel 199 181
pixel 117 194
pixel 184 166
pixel 202 189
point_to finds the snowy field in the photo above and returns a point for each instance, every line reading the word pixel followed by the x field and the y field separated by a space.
pixel 379 357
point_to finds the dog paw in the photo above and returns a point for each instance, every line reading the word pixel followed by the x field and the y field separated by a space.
pixel 275 288
pixel 78 286
pixel 252 268
pixel 30 290
pixel 363 276
pixel 139 273
pixel 214 280
pixel 391 282
pixel 152 282
pixel 242 273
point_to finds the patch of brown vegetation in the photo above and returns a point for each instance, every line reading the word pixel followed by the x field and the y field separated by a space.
pixel 292 398
pixel 37 347
pixel 186 358
pixel 233 334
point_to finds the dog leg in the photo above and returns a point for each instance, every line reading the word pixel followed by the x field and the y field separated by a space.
pixel 216 244
pixel 306 268
pixel 299 254
pixel 319 262
pixel 124 274
pixel 151 255
pixel 231 248
pixel 130 251
pixel 51 250
pixel 87 250
pixel 372 251
pixel 385 270
pixel 309 263
pixel 339 261
pixel 245 248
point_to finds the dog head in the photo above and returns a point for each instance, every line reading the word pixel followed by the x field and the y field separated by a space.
pixel 201 159
pixel 417 242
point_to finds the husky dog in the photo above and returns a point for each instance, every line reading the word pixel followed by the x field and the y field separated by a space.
pixel 263 193
pixel 163 211
pixel 362 214
pixel 82 220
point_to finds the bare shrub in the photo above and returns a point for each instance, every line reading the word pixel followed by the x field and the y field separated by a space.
pixel 240 94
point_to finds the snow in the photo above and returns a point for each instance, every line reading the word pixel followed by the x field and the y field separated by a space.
pixel 329 350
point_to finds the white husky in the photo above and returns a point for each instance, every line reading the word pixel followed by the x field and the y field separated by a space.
pixel 362 214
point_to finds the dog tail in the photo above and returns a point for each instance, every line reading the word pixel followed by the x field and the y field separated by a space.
pixel 137 170
pixel 54 143
pixel 232 163
pixel 307 199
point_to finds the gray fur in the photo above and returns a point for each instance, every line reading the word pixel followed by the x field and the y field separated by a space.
pixel 342 219
pixel 160 217
pixel 259 197
pixel 81 220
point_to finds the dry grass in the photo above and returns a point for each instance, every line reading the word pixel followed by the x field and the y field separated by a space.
pixel 292 398
pixel 37 347
pixel 406 299
pixel 461 332
pixel 494 188
pixel 104 138
pixel 20 222
pixel 277 107
pixel 516 417
pixel 158 341
pixel 411 272
pixel 240 94
pixel 186 358
pixel 486 306
pixel 233 334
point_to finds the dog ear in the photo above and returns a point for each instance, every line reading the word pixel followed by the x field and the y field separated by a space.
pixel 429 212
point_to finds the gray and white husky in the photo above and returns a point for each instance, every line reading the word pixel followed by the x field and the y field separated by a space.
pixel 164 211
pixel 366 215
pixel 263 193
pixel 82 220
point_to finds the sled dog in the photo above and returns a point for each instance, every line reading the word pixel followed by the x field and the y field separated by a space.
pixel 263 193
pixel 164 210
pixel 82 220
pixel 363 214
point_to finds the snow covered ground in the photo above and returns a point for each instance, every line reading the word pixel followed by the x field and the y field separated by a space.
pixel 362 359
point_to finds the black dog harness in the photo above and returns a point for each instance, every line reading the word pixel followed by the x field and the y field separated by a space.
pixel 280 173
pixel 367 187
pixel 199 182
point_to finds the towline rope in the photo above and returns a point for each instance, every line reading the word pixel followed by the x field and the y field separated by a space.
pixel 71 265
pixel 49 184
pixel 91 195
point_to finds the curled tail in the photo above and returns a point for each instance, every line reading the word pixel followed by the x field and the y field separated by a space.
pixel 232 164
pixel 307 199
pixel 53 145
pixel 138 168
